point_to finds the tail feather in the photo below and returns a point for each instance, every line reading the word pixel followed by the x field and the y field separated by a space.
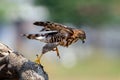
pixel 31 36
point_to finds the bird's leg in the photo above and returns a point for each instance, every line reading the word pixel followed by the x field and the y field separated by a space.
pixel 48 47
pixel 57 52
pixel 38 59
pixel 56 49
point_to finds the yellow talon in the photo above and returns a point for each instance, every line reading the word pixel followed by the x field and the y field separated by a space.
pixel 38 59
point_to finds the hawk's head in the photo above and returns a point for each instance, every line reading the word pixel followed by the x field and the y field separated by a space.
pixel 80 34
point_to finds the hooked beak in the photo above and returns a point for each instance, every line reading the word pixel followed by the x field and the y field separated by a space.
pixel 83 40
pixel 82 37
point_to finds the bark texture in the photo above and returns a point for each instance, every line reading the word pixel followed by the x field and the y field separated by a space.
pixel 14 66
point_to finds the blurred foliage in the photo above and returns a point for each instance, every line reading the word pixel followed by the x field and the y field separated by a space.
pixel 96 67
pixel 5 7
pixel 93 12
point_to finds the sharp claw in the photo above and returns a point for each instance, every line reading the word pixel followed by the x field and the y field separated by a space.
pixel 38 59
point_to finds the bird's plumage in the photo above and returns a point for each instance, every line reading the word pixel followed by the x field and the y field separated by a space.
pixel 50 26
pixel 56 34
pixel 67 32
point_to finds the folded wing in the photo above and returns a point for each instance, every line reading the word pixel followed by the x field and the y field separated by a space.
pixel 50 26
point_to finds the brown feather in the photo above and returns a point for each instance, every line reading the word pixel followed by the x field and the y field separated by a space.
pixel 64 36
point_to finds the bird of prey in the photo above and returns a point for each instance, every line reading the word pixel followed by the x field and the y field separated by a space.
pixel 55 34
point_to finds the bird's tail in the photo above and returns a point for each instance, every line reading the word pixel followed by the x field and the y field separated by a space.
pixel 31 36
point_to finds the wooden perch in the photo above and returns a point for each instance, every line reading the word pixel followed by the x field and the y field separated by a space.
pixel 14 66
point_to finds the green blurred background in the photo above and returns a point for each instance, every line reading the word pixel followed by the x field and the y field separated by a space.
pixel 97 59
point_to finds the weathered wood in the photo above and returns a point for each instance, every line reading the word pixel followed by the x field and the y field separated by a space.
pixel 14 66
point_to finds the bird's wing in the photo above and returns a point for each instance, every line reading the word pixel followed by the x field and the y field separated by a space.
pixel 50 26
pixel 48 32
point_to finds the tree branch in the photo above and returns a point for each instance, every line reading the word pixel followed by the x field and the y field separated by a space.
pixel 14 66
